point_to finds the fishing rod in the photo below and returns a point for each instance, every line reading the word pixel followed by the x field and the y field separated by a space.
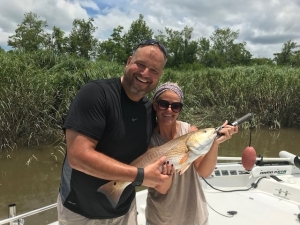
pixel 249 153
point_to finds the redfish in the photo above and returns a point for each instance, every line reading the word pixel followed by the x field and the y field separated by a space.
pixel 181 152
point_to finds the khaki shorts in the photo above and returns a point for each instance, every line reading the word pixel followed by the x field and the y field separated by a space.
pixel 67 217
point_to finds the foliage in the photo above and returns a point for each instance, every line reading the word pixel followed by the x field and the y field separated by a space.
pixel 213 95
pixel 114 48
pixel 58 42
pixel 29 35
pixel 37 89
pixel 261 61
pixel 186 51
pixel 81 40
pixel 224 52
pixel 290 54
pixel 119 47
pixel 40 77
pixel 181 49
pixel 137 32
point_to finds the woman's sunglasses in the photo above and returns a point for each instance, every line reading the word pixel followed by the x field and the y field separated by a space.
pixel 175 106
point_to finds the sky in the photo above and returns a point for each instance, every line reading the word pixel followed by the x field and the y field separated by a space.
pixel 265 25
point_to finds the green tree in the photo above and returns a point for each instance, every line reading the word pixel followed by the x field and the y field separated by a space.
pixel 190 47
pixel 261 61
pixel 137 32
pixel 289 55
pixel 182 50
pixel 29 36
pixel 174 41
pixel 81 40
pixel 58 41
pixel 224 52
pixel 203 48
pixel 113 49
pixel 238 55
pixel 2 50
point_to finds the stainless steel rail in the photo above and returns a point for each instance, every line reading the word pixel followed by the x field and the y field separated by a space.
pixel 12 219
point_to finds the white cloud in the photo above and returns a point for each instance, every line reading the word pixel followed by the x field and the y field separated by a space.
pixel 89 4
pixel 263 25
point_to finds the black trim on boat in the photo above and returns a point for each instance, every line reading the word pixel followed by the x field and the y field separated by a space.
pixel 297 162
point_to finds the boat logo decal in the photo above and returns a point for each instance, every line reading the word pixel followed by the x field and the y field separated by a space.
pixel 273 172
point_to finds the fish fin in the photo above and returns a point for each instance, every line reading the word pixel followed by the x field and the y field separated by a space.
pixel 113 191
pixel 183 169
pixel 184 158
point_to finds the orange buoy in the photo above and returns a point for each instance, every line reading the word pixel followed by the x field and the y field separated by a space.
pixel 248 158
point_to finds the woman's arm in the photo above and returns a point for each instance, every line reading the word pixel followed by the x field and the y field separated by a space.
pixel 205 165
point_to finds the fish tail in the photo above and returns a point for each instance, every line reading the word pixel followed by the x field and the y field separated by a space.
pixel 113 191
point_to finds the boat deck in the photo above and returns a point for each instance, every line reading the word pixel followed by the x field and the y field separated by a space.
pixel 252 208
pixel 272 202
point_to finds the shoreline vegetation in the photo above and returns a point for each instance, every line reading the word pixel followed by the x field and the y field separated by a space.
pixel 221 80
pixel 37 89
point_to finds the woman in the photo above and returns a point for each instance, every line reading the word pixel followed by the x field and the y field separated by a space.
pixel 180 199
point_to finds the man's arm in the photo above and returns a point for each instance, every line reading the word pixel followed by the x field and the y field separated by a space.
pixel 83 157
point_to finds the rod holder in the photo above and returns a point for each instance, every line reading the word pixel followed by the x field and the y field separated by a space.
pixel 12 212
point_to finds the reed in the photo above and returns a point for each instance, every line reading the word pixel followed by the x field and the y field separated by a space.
pixel 36 91
pixel 213 95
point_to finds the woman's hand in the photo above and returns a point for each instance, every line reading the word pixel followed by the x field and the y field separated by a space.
pixel 167 168
pixel 227 131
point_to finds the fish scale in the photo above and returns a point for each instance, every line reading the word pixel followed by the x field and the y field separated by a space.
pixel 172 150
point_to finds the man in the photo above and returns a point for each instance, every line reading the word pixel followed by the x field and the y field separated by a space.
pixel 109 124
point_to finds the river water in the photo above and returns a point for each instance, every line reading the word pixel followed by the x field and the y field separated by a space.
pixel 36 185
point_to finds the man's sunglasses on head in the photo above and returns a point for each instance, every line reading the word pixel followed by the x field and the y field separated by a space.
pixel 153 42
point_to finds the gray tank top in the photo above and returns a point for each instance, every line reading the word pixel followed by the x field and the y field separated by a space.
pixel 184 203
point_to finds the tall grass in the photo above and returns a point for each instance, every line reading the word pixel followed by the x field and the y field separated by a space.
pixel 270 93
pixel 36 91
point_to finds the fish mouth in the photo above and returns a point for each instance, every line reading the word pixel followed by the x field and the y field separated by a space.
pixel 217 131
pixel 214 135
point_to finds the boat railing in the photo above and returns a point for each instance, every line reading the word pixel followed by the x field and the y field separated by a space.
pixel 225 158
pixel 19 219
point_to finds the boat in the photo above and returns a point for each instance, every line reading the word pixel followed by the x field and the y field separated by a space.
pixel 267 194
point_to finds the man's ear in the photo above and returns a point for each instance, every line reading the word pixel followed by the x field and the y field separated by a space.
pixel 128 60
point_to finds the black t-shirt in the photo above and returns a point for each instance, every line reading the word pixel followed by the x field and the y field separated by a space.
pixel 101 110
